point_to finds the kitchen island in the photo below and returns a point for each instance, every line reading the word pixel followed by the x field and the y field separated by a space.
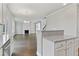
pixel 56 43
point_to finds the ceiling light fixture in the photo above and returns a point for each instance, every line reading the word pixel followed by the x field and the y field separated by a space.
pixel 26 21
pixel 64 3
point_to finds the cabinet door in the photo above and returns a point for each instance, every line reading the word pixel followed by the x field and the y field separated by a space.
pixel 60 48
pixel 71 51
pixel 70 47
pixel 60 52
pixel 76 46
pixel 60 44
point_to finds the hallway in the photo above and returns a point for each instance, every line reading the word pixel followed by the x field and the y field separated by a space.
pixel 39 29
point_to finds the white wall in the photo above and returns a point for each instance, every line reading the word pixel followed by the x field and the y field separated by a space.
pixel 0 12
pixel 78 17
pixel 8 20
pixel 18 28
pixel 64 19
pixel 21 26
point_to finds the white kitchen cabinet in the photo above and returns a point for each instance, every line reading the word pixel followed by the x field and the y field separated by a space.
pixel 67 48
pixel 50 50
pixel 50 45
pixel 54 47
pixel 45 45
pixel 53 43
pixel 60 48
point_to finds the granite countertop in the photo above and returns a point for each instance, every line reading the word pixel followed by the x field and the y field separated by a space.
pixel 51 30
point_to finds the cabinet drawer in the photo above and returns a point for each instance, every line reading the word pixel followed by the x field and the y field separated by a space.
pixel 70 42
pixel 60 44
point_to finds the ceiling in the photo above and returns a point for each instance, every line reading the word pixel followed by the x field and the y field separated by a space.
pixel 33 10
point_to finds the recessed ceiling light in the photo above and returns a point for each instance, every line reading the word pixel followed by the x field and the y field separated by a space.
pixel 26 21
pixel 64 3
